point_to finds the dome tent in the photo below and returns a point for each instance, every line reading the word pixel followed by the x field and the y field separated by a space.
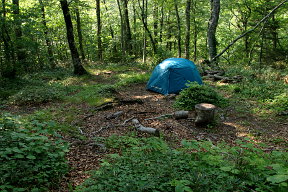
pixel 172 75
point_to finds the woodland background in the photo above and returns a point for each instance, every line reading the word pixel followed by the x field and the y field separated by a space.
pixel 33 33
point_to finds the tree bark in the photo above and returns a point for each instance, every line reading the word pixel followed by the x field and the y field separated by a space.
pixel 20 50
pixel 122 28
pixel 78 68
pixel 212 27
pixel 79 31
pixel 144 22
pixel 188 29
pixel 7 69
pixel 178 28
pixel 205 113
pixel 46 33
pixel 128 36
pixel 99 32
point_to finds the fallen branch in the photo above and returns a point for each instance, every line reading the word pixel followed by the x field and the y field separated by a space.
pixel 127 120
pixel 115 115
pixel 144 129
pixel 176 115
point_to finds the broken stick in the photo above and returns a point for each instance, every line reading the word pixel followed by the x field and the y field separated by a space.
pixel 144 129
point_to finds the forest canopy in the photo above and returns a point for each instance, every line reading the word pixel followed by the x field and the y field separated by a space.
pixel 33 33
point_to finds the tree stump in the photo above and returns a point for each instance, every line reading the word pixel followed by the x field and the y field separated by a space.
pixel 205 113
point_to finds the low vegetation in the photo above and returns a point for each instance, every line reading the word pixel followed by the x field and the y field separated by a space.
pixel 32 157
pixel 151 165
pixel 195 94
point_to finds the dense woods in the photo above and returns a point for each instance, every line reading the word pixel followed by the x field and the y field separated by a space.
pixel 33 33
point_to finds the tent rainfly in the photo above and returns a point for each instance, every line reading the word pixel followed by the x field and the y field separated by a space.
pixel 172 75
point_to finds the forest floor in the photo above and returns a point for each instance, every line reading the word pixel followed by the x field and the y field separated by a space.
pixel 233 122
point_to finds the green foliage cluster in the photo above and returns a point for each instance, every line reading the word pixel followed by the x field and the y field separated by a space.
pixel 279 103
pixel 151 165
pixel 36 95
pixel 195 94
pixel 32 158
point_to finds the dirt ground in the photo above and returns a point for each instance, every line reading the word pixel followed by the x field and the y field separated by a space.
pixel 85 155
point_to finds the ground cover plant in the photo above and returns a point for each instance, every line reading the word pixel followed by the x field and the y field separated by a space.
pixel 32 157
pixel 151 165
pixel 195 94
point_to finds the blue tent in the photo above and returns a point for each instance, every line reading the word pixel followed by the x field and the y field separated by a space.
pixel 172 75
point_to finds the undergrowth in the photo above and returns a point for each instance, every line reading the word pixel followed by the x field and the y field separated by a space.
pixel 32 156
pixel 195 94
pixel 149 164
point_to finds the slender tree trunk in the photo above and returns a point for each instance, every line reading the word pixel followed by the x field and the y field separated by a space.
pixel 110 29
pixel 211 33
pixel 122 28
pixel 155 21
pixel 99 32
pixel 195 29
pixel 46 33
pixel 78 68
pixel 128 36
pixel 143 13
pixel 179 29
pixel 79 31
pixel 188 29
pixel 161 23
pixel 144 21
pixel 20 50
pixel 8 70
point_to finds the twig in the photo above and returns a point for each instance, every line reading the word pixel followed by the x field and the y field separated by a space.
pixel 127 120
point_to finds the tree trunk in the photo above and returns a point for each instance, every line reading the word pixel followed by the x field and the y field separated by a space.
pixel 212 27
pixel 128 36
pixel 20 50
pixel 79 31
pixel 195 30
pixel 78 68
pixel 155 21
pixel 99 28
pixel 144 22
pixel 46 33
pixel 179 29
pixel 8 70
pixel 161 23
pixel 122 28
pixel 188 29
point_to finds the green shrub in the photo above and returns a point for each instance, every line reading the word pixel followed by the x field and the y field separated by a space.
pixel 151 165
pixel 195 94
pixel 31 158
pixel 279 103
pixel 37 95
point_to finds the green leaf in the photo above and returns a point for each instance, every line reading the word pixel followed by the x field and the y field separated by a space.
pixel 277 178
pixel 31 157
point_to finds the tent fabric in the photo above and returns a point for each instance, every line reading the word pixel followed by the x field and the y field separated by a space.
pixel 172 75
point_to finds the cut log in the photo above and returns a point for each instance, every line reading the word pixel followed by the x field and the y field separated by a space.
pixel 205 113
pixel 144 129
pixel 181 114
